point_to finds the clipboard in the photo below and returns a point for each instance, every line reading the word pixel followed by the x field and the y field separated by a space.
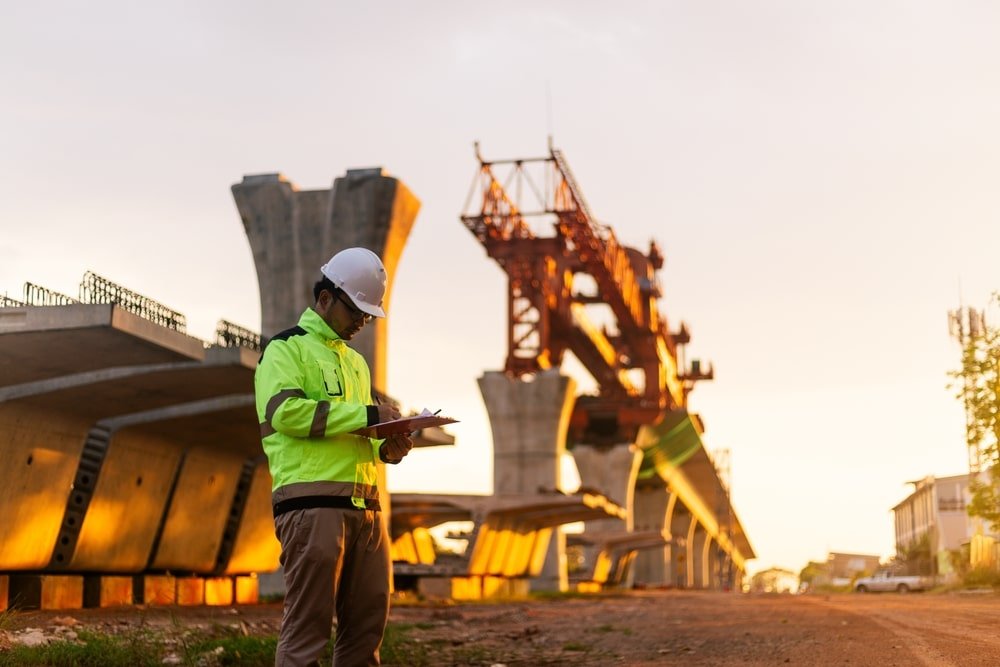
pixel 404 425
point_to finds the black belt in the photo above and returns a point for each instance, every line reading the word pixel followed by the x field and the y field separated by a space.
pixel 310 502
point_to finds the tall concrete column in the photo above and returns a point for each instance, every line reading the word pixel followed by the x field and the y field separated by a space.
pixel 720 575
pixel 613 472
pixel 711 563
pixel 649 509
pixel 679 520
pixel 698 542
pixel 293 232
pixel 529 420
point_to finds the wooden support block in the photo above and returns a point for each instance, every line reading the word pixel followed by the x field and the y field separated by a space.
pixel 190 591
pixel 219 591
pixel 99 591
pixel 438 588
pixel 156 589
pixel 4 587
pixel 247 589
pixel 34 591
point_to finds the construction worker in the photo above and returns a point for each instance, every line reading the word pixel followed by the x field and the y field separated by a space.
pixel 312 391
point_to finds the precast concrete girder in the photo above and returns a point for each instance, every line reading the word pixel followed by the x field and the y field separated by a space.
pixel 673 451
pixel 511 533
pixel 111 461
pixel 160 464
pixel 50 342
pixel 615 552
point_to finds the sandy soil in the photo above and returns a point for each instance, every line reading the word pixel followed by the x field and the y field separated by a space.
pixel 651 628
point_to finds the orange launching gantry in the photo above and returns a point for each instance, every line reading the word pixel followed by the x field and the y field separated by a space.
pixel 635 362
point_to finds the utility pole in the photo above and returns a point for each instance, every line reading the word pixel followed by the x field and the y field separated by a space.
pixel 965 325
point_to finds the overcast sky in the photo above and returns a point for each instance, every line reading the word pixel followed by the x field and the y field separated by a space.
pixel 821 176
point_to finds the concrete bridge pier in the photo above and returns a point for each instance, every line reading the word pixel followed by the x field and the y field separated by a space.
pixel 293 232
pixel 699 542
pixel 649 507
pixel 717 559
pixel 529 420
pixel 612 471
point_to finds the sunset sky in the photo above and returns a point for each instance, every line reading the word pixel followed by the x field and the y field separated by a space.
pixel 821 177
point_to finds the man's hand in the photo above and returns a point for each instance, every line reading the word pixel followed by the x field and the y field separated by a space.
pixel 395 448
pixel 387 413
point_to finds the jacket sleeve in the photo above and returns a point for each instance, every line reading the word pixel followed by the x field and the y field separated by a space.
pixel 284 407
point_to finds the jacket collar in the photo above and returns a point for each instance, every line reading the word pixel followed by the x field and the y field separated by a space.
pixel 313 323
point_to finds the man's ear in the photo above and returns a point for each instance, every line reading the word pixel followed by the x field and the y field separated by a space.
pixel 325 300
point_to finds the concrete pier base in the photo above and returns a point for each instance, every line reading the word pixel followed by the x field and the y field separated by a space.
pixel 529 420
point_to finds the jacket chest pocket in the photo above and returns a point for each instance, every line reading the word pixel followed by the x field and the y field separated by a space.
pixel 333 384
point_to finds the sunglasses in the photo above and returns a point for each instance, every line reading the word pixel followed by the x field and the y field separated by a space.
pixel 355 312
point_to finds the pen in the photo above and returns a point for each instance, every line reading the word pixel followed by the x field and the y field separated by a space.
pixel 435 412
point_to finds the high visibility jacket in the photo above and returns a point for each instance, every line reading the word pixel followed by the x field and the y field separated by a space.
pixel 312 390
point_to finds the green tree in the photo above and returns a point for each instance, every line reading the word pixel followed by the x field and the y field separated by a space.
pixel 978 384
pixel 915 558
pixel 813 571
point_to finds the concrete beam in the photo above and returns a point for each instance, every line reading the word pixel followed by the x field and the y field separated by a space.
pixel 52 341
pixel 673 451
pixel 160 488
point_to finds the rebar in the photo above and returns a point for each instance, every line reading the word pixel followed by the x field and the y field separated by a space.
pixel 228 334
pixel 96 289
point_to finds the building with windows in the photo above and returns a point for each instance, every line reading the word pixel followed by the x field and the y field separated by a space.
pixel 936 513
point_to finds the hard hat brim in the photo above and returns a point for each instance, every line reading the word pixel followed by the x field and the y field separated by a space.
pixel 375 311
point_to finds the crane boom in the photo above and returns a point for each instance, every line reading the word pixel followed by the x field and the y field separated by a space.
pixel 636 366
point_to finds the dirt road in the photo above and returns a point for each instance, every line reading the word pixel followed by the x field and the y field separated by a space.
pixel 692 628
pixel 635 628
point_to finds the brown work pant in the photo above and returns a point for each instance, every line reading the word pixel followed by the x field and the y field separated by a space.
pixel 333 558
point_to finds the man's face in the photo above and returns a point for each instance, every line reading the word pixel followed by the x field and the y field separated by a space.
pixel 340 313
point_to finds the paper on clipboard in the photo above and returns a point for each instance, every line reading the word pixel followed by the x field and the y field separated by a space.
pixel 425 419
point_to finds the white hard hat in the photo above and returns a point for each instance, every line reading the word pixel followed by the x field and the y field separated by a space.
pixel 360 274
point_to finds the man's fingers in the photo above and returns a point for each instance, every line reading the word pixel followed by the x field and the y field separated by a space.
pixel 387 413
pixel 399 446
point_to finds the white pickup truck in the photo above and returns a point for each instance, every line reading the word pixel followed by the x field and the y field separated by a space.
pixel 886 580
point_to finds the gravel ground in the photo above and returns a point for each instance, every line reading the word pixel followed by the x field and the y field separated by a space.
pixel 652 627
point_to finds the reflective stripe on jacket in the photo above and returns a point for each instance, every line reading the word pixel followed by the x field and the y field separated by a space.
pixel 312 390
